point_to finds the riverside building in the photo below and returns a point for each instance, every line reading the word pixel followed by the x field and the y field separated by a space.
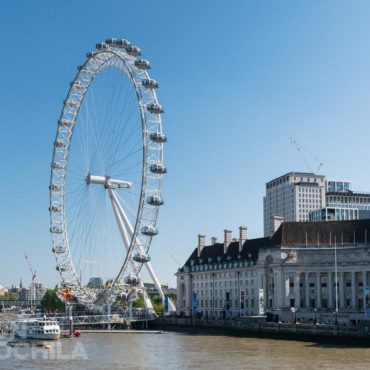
pixel 306 268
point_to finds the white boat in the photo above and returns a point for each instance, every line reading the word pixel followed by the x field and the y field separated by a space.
pixel 41 329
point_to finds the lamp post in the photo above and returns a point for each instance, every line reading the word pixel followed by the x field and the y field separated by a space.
pixel 315 310
pixel 293 311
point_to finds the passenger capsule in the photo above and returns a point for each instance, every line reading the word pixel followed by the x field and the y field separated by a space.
pixel 122 43
pixel 142 64
pixel 133 50
pixel 65 122
pixel 158 168
pixel 55 230
pixel 150 83
pixel 70 103
pixel 149 230
pixel 84 68
pixel 141 258
pixel 54 209
pixel 60 269
pixel 118 42
pixel 158 137
pixel 111 41
pixel 91 54
pixel 155 108
pixel 102 46
pixel 155 200
pixel 77 84
pixel 58 250
pixel 60 144
pixel 55 188
pixel 132 280
pixel 58 165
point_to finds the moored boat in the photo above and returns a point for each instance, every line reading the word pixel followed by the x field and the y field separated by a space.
pixel 41 329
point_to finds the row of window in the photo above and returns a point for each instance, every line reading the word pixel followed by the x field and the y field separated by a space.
pixel 223 304
pixel 222 293
pixel 223 275
pixel 228 283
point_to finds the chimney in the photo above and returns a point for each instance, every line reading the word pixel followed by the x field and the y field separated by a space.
pixel 242 236
pixel 201 243
pixel 227 239
pixel 213 240
pixel 276 222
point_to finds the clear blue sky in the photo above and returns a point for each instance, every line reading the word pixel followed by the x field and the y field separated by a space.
pixel 238 79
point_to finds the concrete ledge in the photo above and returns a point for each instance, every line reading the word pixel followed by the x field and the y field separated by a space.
pixel 261 329
pixel 105 331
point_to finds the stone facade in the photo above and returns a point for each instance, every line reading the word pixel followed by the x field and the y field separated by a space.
pixel 307 268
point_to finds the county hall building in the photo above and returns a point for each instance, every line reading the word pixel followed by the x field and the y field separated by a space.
pixel 305 268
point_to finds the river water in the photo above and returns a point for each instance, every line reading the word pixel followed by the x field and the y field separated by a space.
pixel 181 351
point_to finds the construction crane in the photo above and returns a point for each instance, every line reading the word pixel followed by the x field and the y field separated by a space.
pixel 301 151
pixel 33 274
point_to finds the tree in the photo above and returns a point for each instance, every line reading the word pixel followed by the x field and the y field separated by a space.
pixel 138 303
pixel 51 302
pixel 157 304
pixel 173 297
pixel 8 297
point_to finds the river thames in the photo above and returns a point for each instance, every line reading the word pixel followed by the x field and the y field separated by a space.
pixel 181 351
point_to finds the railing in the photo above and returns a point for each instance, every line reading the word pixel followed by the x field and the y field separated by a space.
pixel 99 319
pixel 84 319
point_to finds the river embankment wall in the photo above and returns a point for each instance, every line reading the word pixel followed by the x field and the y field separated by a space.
pixel 255 327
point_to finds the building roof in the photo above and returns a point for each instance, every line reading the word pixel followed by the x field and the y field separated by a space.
pixel 289 234
pixel 250 251
pixel 348 193
pixel 298 174
pixel 324 233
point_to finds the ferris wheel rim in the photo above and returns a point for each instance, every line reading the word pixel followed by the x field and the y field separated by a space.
pixel 132 72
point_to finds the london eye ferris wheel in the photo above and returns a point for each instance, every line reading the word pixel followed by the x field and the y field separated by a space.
pixel 106 176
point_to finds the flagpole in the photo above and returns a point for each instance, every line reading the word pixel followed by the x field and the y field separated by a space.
pixel 336 279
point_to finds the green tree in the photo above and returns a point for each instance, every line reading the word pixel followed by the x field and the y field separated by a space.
pixel 157 304
pixel 172 295
pixel 8 297
pixel 51 302
pixel 139 303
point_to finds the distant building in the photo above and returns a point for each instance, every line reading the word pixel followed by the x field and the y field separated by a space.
pixel 335 214
pixel 292 271
pixel 35 293
pixel 301 196
pixel 334 186
pixel 3 290
pixel 95 282
pixel 292 197
pixel 152 291
pixel 342 204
